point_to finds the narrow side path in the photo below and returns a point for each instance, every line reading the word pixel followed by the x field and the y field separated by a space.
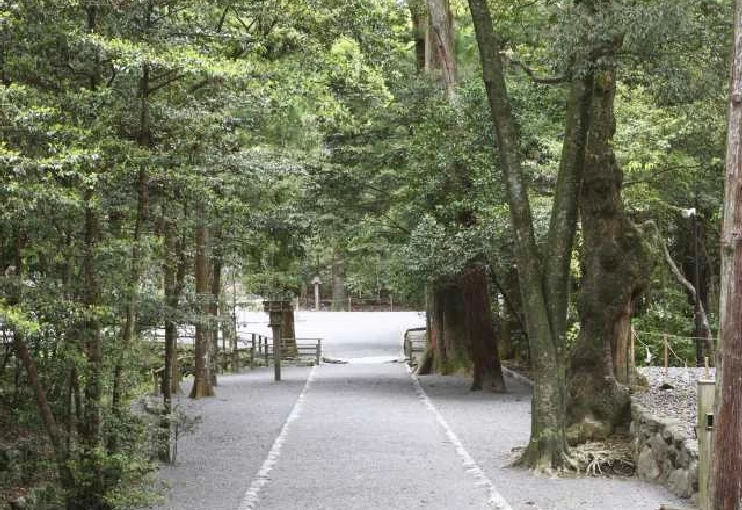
pixel 237 429
pixel 365 440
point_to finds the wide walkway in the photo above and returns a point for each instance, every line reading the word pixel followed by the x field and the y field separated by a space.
pixel 367 435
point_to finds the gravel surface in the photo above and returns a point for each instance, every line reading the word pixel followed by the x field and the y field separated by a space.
pixel 217 461
pixel 491 425
pixel 678 401
pixel 365 440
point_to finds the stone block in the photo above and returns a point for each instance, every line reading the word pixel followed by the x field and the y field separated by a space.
pixel 659 448
pixel 679 483
pixel 646 467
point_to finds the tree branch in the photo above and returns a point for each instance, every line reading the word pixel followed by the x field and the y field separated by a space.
pixel 689 287
pixel 546 80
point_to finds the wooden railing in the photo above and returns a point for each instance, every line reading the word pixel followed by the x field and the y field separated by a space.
pixel 253 349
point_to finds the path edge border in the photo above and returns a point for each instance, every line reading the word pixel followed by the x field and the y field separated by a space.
pixel 494 498
pixel 261 478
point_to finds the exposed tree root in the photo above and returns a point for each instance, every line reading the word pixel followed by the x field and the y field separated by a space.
pixel 611 457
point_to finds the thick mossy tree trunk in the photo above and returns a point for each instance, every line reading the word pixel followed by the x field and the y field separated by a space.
pixel 202 386
pixel 616 265
pixel 446 351
pixel 481 336
pixel 462 334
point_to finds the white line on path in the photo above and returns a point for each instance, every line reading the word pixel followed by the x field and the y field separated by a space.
pixel 261 478
pixel 494 498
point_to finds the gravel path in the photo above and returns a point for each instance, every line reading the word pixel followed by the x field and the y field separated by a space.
pixel 678 401
pixel 365 436
pixel 491 425
pixel 366 441
pixel 217 461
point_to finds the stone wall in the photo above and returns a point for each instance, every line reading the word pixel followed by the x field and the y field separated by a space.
pixel 664 453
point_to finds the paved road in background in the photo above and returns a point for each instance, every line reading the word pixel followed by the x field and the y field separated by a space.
pixel 374 336
pixel 367 436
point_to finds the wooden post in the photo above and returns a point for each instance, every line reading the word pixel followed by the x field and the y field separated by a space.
pixel 252 352
pixel 391 303
pixel 277 353
pixel 319 350
pixel 350 307
pixel 276 309
pixel 265 349
pixel 704 430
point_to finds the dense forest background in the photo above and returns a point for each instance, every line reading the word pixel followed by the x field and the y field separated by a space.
pixel 156 155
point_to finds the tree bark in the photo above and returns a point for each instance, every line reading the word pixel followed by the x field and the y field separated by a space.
pixel 726 479
pixel 202 386
pixel 339 295
pixel 463 334
pixel 441 49
pixel 47 417
pixel 543 293
pixel 214 304
pixel 171 335
pixel 132 291
pixel 480 330
pixel 446 351
pixel 419 15
pixel 90 494
pixel 616 267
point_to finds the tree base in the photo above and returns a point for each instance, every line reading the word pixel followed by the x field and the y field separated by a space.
pixel 547 453
pixel 488 383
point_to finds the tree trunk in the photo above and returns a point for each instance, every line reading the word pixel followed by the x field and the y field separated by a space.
pixel 90 493
pixel 180 276
pixel 623 355
pixel 543 284
pixel 339 295
pixel 446 350
pixel 215 306
pixel 616 268
pixel 726 479
pixel 171 337
pixel 480 330
pixel 431 333
pixel 132 290
pixel 47 417
pixel 419 15
pixel 462 332
pixel 440 47
pixel 202 386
